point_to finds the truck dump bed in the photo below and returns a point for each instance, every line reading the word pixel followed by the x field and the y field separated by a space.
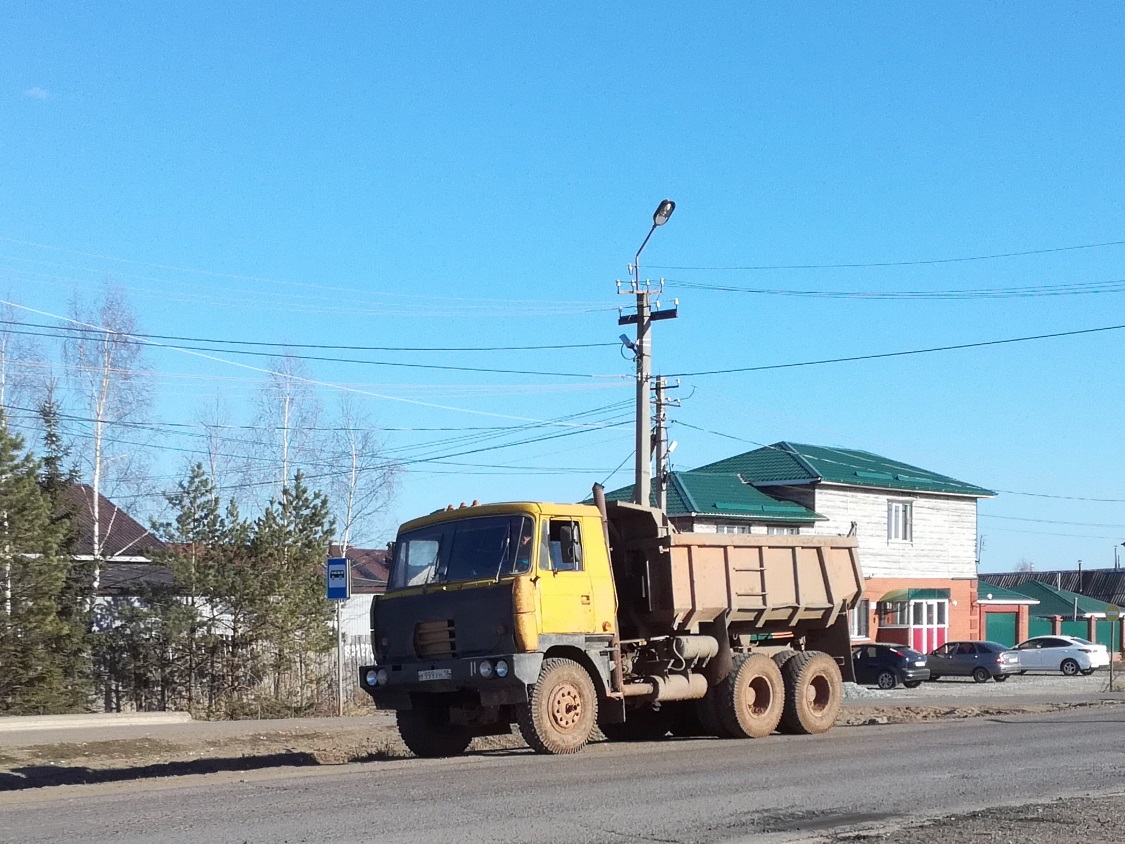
pixel 766 581
pixel 675 581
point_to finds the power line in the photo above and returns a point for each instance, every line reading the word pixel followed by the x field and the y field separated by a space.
pixel 284 346
pixel 117 337
pixel 1035 291
pixel 915 263
pixel 854 358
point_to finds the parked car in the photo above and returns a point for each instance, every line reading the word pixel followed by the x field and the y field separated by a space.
pixel 1069 654
pixel 887 665
pixel 979 660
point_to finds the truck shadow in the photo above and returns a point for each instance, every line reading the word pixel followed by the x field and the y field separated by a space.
pixel 39 776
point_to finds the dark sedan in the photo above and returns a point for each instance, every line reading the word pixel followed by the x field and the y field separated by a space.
pixel 886 665
pixel 979 660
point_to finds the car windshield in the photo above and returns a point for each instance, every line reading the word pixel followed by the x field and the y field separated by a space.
pixel 467 549
pixel 1081 641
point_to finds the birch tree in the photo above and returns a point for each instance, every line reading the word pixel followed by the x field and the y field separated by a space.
pixel 21 361
pixel 108 375
pixel 361 480
pixel 288 414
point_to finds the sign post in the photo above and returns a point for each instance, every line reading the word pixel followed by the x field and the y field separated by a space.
pixel 1113 616
pixel 338 588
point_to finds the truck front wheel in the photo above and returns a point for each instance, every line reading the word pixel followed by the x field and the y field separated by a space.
pixel 814 693
pixel 426 731
pixel 562 709
pixel 750 699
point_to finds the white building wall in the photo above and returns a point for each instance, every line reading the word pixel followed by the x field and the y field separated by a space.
pixel 944 532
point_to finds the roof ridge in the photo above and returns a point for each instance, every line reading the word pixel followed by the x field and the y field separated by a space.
pixel 801 460
pixel 682 489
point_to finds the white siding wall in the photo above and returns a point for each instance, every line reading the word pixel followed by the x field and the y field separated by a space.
pixel 944 532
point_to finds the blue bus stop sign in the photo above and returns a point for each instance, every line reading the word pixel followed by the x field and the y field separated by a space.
pixel 338 579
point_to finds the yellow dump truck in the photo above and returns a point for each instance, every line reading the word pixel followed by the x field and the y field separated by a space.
pixel 563 618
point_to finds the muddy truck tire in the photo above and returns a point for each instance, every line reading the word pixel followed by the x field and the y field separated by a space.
pixel 751 698
pixel 814 693
pixel 562 711
pixel 427 733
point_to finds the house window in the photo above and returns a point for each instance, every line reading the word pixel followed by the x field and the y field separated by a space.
pixel 732 528
pixel 893 613
pixel 782 530
pixel 859 617
pixel 900 517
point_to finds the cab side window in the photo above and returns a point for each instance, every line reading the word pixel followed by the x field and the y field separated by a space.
pixel 564 545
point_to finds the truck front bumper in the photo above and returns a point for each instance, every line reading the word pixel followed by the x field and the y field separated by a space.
pixel 453 675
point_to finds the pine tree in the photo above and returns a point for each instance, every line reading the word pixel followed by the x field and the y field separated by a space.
pixel 289 547
pixel 75 600
pixel 32 680
pixel 193 620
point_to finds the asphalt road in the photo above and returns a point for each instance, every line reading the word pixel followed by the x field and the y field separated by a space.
pixel 781 788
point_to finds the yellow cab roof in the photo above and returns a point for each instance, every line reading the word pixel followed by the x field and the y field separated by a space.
pixel 507 508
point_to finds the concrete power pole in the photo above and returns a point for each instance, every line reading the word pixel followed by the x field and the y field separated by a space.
pixel 643 318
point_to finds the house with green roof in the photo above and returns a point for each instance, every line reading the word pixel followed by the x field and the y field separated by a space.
pixel 917 529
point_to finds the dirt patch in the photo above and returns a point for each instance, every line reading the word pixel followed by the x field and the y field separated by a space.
pixel 913 714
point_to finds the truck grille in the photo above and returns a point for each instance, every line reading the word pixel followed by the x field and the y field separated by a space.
pixel 435 638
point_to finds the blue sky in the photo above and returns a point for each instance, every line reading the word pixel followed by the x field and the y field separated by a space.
pixel 455 175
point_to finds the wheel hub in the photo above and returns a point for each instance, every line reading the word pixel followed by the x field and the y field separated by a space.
pixel 566 706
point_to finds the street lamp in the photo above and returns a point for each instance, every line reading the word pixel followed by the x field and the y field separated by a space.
pixel 659 217
pixel 643 468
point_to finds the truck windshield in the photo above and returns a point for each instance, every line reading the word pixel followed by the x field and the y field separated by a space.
pixel 467 549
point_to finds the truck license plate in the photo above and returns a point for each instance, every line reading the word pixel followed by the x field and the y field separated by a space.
pixel 436 674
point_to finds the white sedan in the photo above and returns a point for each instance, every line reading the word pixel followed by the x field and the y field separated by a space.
pixel 1068 654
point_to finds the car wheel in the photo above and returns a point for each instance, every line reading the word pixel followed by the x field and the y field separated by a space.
pixel 886 680
pixel 1086 672
pixel 1000 678
pixel 980 674
pixel 1069 667
pixel 912 684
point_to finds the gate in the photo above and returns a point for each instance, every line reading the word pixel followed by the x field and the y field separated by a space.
pixel 1000 627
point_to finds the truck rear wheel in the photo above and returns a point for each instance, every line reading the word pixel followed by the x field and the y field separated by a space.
pixel 562 710
pixel 814 693
pixel 751 698
pixel 426 731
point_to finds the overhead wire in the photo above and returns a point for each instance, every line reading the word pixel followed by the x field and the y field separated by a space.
pixel 1035 291
pixel 882 355
pixel 323 346
pixel 326 359
pixel 910 263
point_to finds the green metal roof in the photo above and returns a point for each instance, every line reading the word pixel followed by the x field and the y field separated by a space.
pixel 799 463
pixel 722 495
pixel 1054 601
pixel 1000 595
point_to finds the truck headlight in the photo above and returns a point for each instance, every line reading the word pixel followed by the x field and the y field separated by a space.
pixel 501 668
pixel 485 669
pixel 382 676
pixel 371 677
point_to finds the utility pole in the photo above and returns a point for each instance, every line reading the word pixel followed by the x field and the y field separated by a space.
pixel 643 319
pixel 660 436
